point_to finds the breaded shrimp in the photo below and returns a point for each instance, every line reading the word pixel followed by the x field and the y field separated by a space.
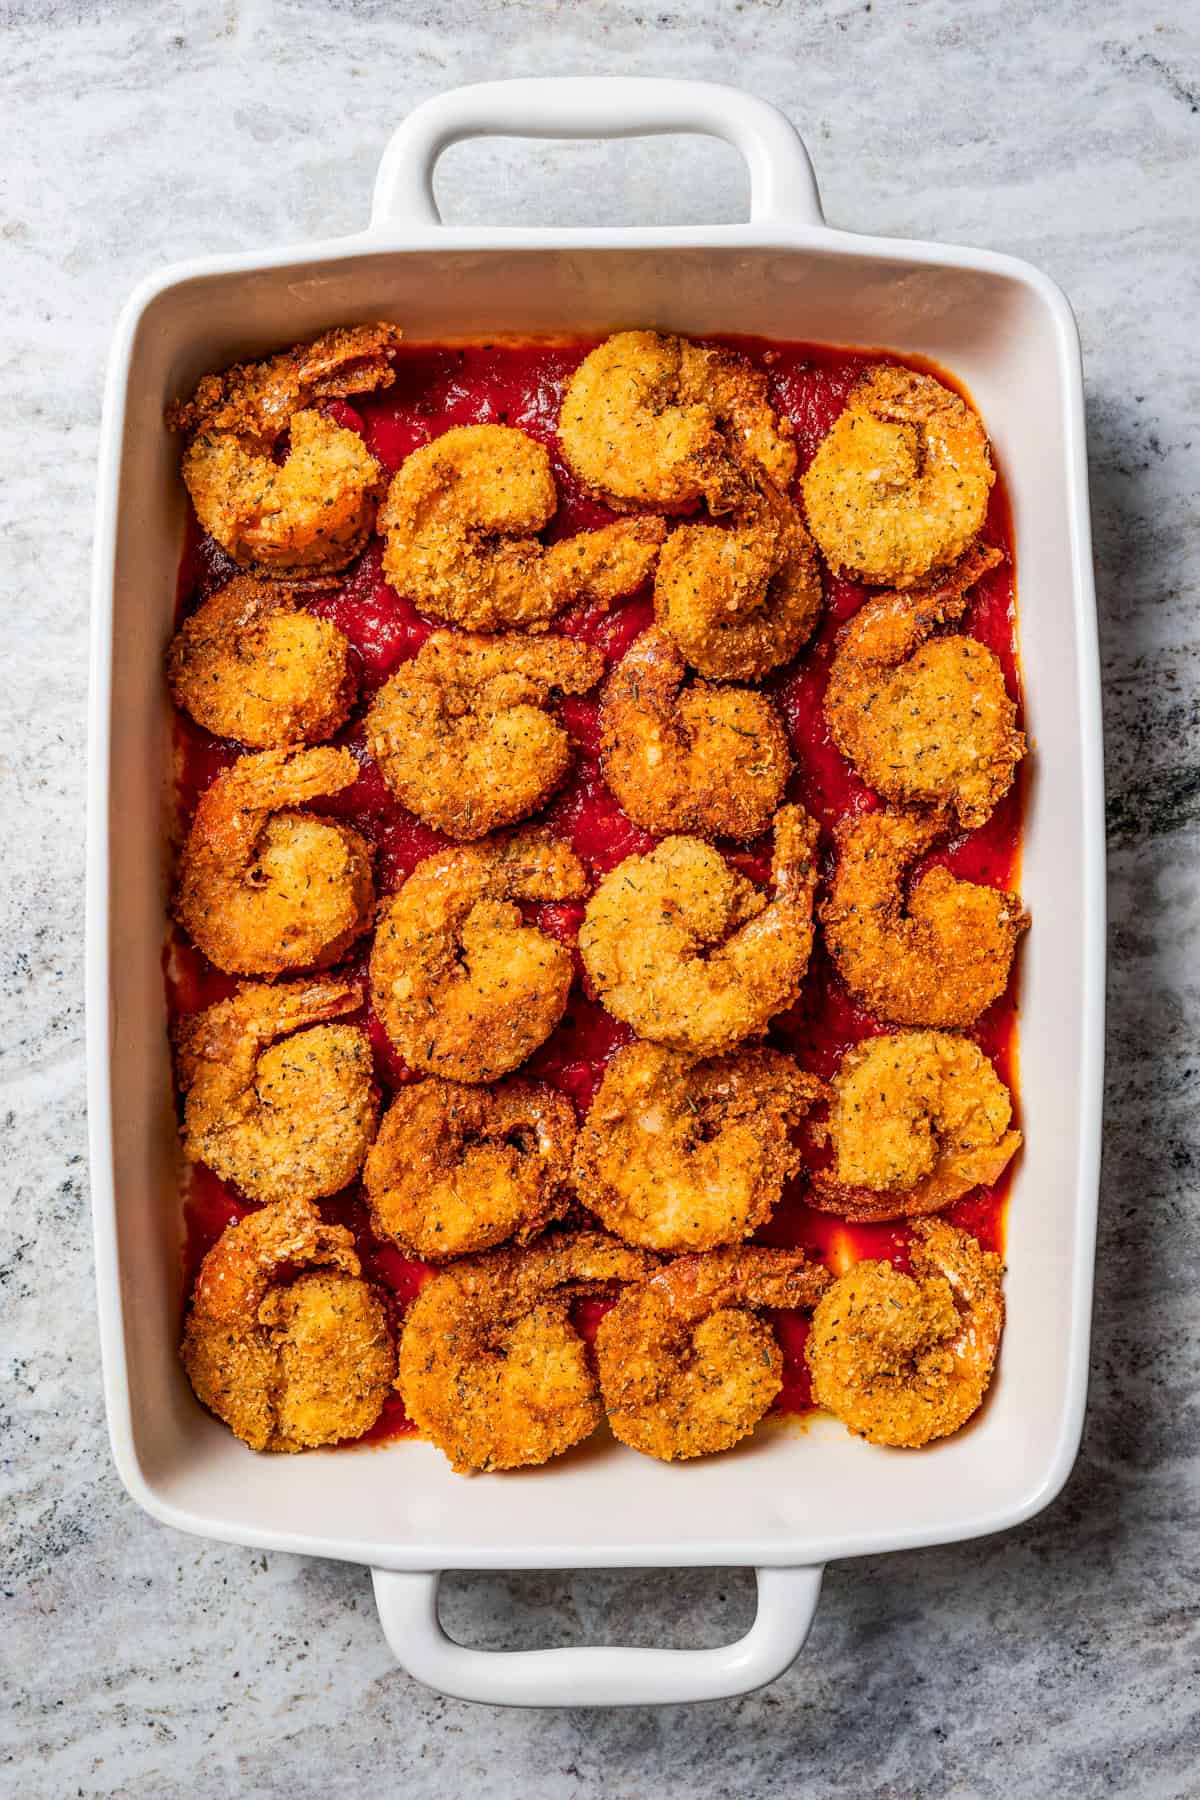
pixel 458 1169
pixel 460 521
pixel 464 987
pixel 900 484
pixel 713 760
pixel 740 599
pixel 685 949
pixel 649 420
pixel 251 664
pixel 918 1119
pixel 464 734
pixel 491 1367
pixel 288 1363
pixel 686 1367
pixel 925 723
pixel 294 1119
pixel 683 1155
pixel 903 1359
pixel 938 958
pixel 312 512
pixel 264 888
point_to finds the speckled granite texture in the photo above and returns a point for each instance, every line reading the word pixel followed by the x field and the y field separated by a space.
pixel 1058 1660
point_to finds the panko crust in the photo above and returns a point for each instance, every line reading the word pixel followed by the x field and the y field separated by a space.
pixel 689 757
pixel 938 957
pixel 252 665
pixel 465 733
pixel 677 1154
pixel 900 483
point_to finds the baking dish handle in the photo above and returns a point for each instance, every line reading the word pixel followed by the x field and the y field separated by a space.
pixel 613 1676
pixel 783 189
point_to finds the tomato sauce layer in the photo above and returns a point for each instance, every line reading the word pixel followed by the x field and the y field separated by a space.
pixel 521 384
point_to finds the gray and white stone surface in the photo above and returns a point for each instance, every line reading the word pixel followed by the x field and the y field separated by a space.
pixel 1059 1659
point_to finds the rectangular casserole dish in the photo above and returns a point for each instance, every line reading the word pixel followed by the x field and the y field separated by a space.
pixel 790 1499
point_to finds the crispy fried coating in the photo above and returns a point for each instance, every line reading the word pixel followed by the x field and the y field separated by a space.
pixel 677 1154
pixel 685 949
pixel 903 1359
pixel 251 664
pixel 918 1119
pixel 264 888
pixel 464 987
pixel 689 757
pixel 464 734
pixel 460 523
pixel 459 1169
pixel 686 1367
pixel 288 1364
pixel 900 484
pixel 491 1367
pixel 925 721
pixel 313 511
pixel 289 1118
pixel 650 420
pixel 740 599
pixel 939 957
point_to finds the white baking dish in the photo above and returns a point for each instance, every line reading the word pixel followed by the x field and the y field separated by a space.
pixel 792 1498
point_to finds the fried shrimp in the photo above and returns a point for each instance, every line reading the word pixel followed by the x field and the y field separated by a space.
pixel 458 1169
pixel 683 1155
pixel 251 664
pixel 491 1367
pixel 264 888
pixel 938 958
pixel 903 1359
pixel 925 723
pixel 460 521
pixel 312 512
pixel 288 1363
pixel 463 733
pixel 689 952
pixel 740 599
pixel 464 987
pixel 918 1119
pixel 649 420
pixel 713 760
pixel 291 1118
pixel 686 1367
pixel 900 484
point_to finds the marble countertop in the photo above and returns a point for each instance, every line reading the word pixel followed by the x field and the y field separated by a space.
pixel 1059 1659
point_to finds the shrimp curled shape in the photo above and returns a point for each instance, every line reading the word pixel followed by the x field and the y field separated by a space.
pixel 649 420
pixel 251 664
pixel 686 1366
pixel 464 734
pixel 900 484
pixel 491 1367
pixel 677 1154
pixel 925 721
pixel 312 512
pixel 939 957
pixel 457 1169
pixel 464 987
pixel 740 599
pixel 713 760
pixel 288 1364
pixel 264 888
pixel 291 1117
pixel 918 1119
pixel 689 952
pixel 460 523
pixel 903 1359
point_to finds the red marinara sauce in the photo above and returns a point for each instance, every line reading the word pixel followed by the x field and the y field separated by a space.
pixel 520 384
